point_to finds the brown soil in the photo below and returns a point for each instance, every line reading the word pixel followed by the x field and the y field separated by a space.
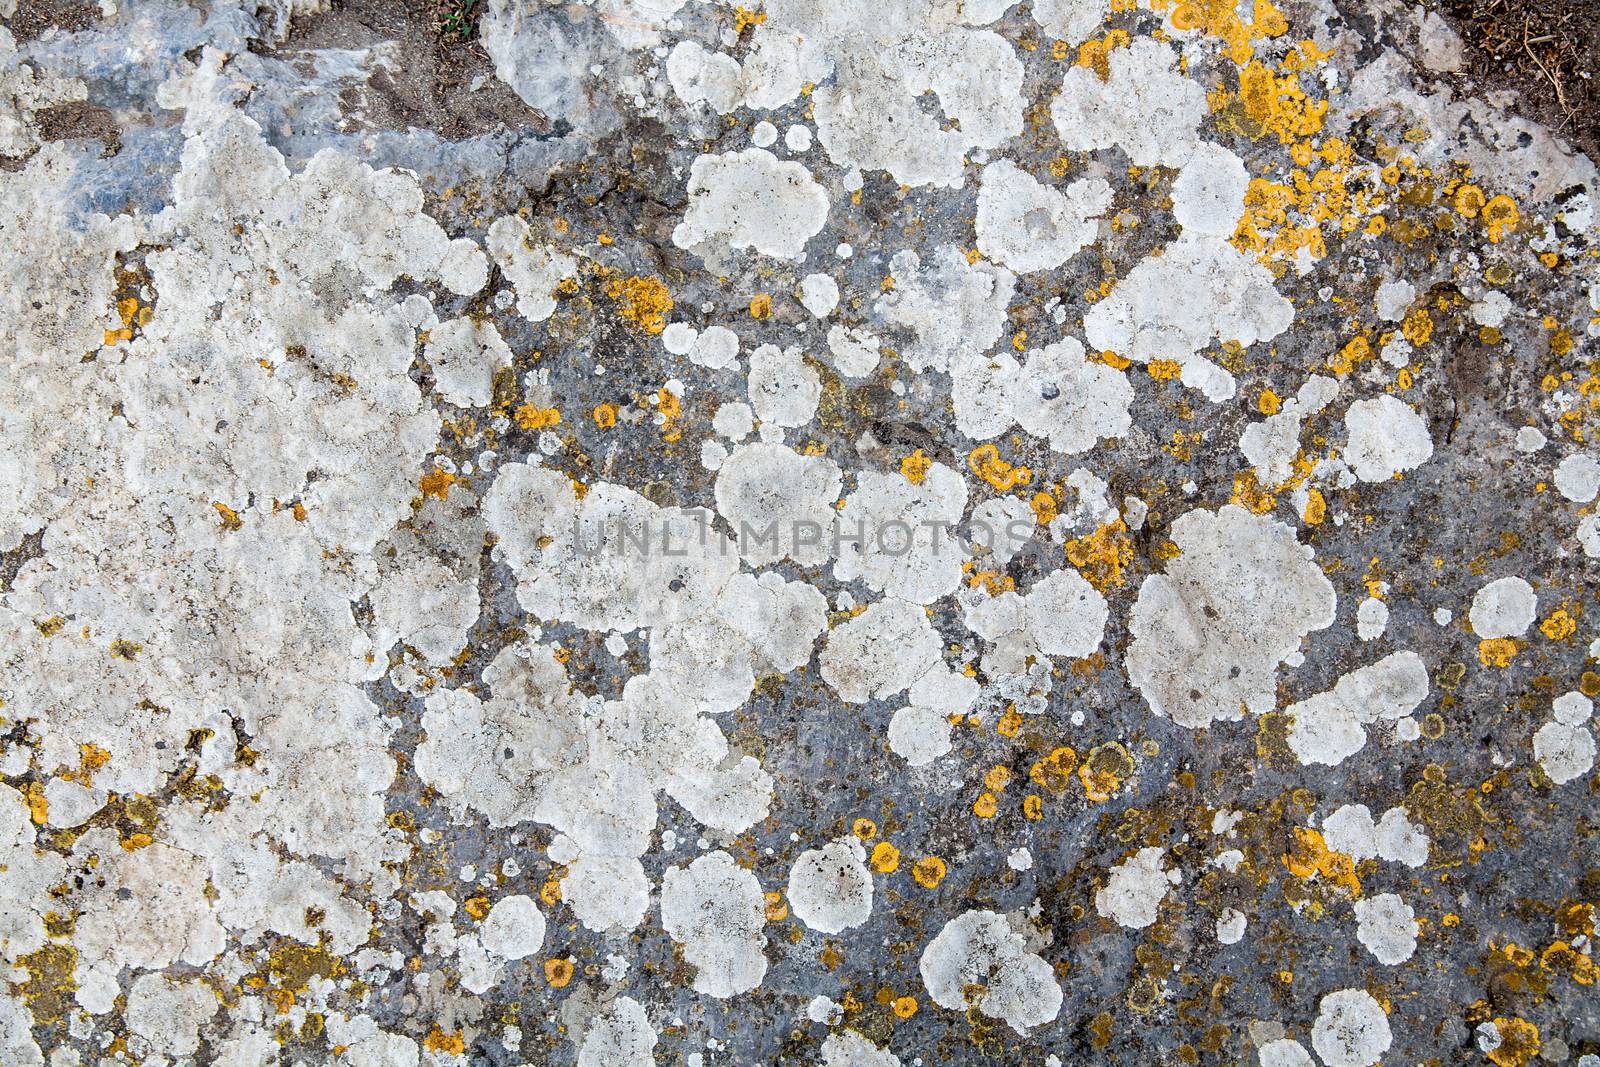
pixel 1546 50
pixel 431 90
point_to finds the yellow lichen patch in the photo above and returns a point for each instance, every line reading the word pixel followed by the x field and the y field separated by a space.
pixel 1009 723
pixel 915 467
pixel 1096 54
pixel 992 582
pixel 605 415
pixel 774 907
pixel 1500 216
pixel 477 907
pixel 1497 651
pixel 1054 772
pixel 1268 402
pixel 439 1041
pixel 51 982
pixel 986 805
pixel 744 18
pixel 1221 18
pixel 532 417
pixel 670 405
pixel 1417 326
pixel 1351 354
pixel 38 804
pixel 1104 770
pixel 1102 555
pixel 558 972
pixel 885 858
pixel 1468 200
pixel 1247 493
pixel 929 871
pixel 1044 508
pixel 1316 508
pixel 903 1007
pixel 1033 807
pixel 1277 104
pixel 643 301
pixel 1519 1042
pixel 550 892
pixel 229 518
pixel 1165 370
pixel 125 649
pixel 865 829
pixel 986 463
pixel 1312 857
pixel 997 778
pixel 437 483
pixel 1561 958
pixel 1559 625
pixel 761 306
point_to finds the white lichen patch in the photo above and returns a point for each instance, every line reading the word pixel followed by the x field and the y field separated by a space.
pixel 1351 1029
pixel 1133 894
pixel 751 200
pixel 1393 837
pixel 1387 927
pixel 849 1049
pixel 1029 226
pixel 979 960
pixel 1145 107
pixel 1331 727
pixel 1504 607
pixel 1226 296
pixel 830 888
pixel 1210 632
pixel 534 267
pixel 714 909
pixel 1385 437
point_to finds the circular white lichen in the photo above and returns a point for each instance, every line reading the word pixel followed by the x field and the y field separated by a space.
pixel 1351 1030
pixel 1386 436
pixel 978 954
pixel 1209 634
pixel 751 199
pixel 1387 926
pixel 830 888
pixel 1504 607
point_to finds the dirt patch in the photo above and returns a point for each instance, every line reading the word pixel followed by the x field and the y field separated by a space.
pixel 1548 51
pixel 80 119
pixel 432 85
pixel 33 17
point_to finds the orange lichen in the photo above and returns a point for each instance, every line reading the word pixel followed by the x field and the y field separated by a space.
pixel 774 907
pixel 885 858
pixel 1519 1042
pixel 1102 555
pixel 915 467
pixel 904 1007
pixel 929 871
pixel 1054 772
pixel 986 463
pixel 532 417
pixel 1311 856
pixel 440 1041
pixel 761 306
pixel 558 972
pixel 437 483
pixel 230 519
pixel 605 416
pixel 643 301
pixel 1500 216
pixel 1497 651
